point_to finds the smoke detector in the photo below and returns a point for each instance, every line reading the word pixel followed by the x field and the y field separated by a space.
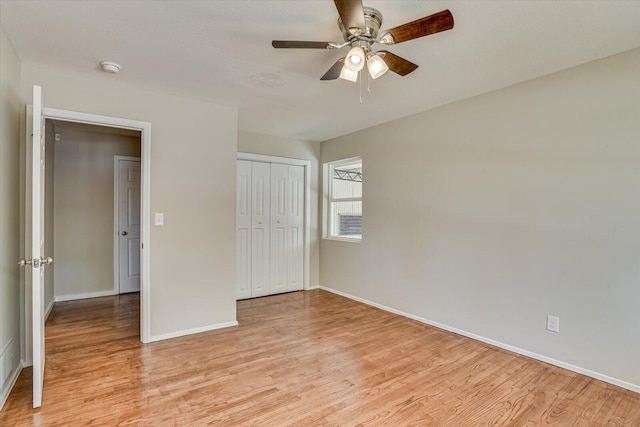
pixel 110 67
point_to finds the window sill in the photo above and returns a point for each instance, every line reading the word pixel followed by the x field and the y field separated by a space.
pixel 343 239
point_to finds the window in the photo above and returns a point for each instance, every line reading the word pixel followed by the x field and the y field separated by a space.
pixel 344 199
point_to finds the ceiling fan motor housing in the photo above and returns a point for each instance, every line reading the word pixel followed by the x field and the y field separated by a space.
pixel 373 22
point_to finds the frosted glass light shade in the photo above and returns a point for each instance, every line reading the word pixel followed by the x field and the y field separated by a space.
pixel 347 74
pixel 376 65
pixel 355 59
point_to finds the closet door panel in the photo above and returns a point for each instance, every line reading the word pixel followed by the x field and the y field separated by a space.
pixel 260 245
pixel 295 227
pixel 243 230
pixel 279 242
pixel 269 228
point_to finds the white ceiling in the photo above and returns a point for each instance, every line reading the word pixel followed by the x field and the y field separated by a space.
pixel 221 51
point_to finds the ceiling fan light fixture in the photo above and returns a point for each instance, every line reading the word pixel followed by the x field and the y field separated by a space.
pixel 355 59
pixel 347 74
pixel 376 65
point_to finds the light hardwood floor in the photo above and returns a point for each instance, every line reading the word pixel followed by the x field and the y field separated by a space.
pixel 305 358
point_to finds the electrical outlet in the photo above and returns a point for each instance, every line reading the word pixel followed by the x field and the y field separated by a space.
pixel 553 323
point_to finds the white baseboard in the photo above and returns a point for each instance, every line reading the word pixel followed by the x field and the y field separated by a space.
pixel 310 288
pixel 559 363
pixel 47 312
pixel 11 381
pixel 60 298
pixel 192 331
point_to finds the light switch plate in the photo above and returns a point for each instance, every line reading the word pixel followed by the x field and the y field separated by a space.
pixel 159 219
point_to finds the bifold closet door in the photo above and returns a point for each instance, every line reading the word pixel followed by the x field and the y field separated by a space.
pixel 260 224
pixel 295 228
pixel 269 228
pixel 243 230
pixel 279 258
pixel 287 220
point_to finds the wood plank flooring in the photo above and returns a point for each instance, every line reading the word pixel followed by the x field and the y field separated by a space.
pixel 302 359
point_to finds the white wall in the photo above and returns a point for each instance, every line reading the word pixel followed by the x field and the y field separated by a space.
pixel 9 215
pixel 250 142
pixel 490 213
pixel 193 152
pixel 83 208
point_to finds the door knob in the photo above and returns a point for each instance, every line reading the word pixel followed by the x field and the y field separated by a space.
pixel 24 262
pixel 124 233
pixel 48 260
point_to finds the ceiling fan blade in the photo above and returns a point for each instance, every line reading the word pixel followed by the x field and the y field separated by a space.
pixel 441 21
pixel 397 64
pixel 297 44
pixel 334 71
pixel 351 13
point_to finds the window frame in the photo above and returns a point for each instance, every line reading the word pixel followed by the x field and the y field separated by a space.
pixel 328 225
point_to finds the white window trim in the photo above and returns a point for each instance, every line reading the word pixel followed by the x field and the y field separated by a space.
pixel 327 169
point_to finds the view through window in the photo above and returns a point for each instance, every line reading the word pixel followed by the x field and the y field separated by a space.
pixel 345 199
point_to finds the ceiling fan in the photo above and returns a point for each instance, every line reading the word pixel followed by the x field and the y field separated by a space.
pixel 360 26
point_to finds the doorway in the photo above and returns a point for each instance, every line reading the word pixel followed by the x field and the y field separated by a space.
pixel 144 131
pixel 88 210
pixel 145 197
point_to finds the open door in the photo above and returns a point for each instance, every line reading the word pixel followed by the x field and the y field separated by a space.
pixel 37 244
pixel 35 247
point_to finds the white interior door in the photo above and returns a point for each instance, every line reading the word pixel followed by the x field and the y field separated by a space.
pixel 260 225
pixel 270 234
pixel 128 209
pixel 295 228
pixel 279 258
pixel 243 230
pixel 38 261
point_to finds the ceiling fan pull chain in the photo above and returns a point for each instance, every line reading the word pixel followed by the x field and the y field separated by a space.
pixel 368 84
pixel 360 79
